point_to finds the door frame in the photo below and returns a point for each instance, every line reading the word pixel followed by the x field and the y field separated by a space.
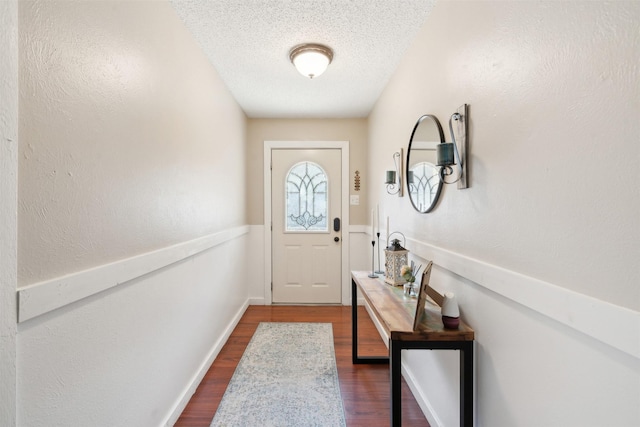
pixel 343 146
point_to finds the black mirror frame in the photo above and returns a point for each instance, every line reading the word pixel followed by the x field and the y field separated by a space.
pixel 434 202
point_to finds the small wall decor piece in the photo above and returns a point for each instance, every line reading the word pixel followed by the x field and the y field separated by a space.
pixel 450 311
pixel 356 181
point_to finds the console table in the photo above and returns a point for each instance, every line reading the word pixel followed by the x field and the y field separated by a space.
pixel 395 313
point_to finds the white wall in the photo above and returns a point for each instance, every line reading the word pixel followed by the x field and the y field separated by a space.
pixel 133 354
pixel 8 203
pixel 544 242
pixel 132 155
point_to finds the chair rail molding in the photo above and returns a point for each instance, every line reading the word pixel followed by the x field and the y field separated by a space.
pixel 40 298
pixel 616 326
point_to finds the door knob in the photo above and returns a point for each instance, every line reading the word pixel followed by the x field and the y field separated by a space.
pixel 336 239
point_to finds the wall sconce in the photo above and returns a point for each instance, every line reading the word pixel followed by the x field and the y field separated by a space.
pixel 394 177
pixel 448 152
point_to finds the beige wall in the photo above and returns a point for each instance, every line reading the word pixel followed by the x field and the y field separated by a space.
pixel 130 141
pixel 546 237
pixel 260 130
pixel 8 208
pixel 549 106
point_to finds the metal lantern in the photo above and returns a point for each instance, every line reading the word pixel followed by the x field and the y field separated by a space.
pixel 395 256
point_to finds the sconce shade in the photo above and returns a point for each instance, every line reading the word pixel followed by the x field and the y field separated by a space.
pixel 391 177
pixel 444 153
pixel 311 60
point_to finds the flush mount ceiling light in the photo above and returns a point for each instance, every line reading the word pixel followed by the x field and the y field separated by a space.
pixel 311 60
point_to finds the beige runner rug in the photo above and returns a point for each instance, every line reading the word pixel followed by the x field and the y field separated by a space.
pixel 287 377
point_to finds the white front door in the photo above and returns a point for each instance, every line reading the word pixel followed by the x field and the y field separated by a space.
pixel 307 228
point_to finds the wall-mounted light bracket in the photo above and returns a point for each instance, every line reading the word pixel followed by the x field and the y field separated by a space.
pixel 450 152
pixel 394 177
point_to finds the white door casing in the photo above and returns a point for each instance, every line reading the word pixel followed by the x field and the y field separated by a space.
pixel 343 146
pixel 305 195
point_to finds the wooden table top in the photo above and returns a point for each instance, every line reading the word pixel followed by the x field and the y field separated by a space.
pixel 396 312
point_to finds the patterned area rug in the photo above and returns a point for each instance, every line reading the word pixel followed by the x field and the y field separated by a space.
pixel 287 377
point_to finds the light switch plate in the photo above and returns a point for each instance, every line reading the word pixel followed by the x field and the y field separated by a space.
pixel 354 200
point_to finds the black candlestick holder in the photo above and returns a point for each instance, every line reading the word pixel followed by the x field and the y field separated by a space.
pixel 373 259
pixel 379 270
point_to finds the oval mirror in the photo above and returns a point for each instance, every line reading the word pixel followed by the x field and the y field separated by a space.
pixel 423 177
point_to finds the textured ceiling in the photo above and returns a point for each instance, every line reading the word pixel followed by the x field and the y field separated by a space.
pixel 248 42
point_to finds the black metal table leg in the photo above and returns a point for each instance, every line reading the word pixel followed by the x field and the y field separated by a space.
pixel 395 372
pixel 354 334
pixel 354 322
pixel 466 384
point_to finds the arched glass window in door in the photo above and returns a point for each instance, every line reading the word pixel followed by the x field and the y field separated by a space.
pixel 424 184
pixel 306 195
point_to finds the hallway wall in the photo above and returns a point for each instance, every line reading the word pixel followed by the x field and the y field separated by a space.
pixel 542 249
pixel 8 207
pixel 260 130
pixel 131 213
pixel 127 132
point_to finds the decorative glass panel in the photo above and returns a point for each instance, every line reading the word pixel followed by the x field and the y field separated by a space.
pixel 306 195
pixel 424 186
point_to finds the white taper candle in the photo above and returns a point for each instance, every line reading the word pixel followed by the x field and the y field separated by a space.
pixel 388 232
pixel 372 221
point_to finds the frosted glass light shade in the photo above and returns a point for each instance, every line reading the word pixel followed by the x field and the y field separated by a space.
pixel 311 60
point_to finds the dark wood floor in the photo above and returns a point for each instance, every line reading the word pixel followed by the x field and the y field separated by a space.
pixel 364 388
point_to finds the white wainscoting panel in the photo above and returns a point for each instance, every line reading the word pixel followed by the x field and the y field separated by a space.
pixel 39 298
pixel 616 326
pixel 188 392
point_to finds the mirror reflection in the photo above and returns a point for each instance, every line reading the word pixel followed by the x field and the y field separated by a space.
pixel 423 177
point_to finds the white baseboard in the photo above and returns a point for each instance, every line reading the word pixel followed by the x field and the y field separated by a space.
pixel 185 396
pixel 256 301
